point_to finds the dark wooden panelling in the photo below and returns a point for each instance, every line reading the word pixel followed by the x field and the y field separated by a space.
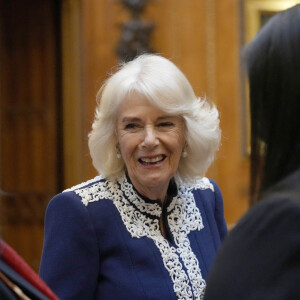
pixel 30 121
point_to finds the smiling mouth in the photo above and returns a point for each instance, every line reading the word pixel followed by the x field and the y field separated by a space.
pixel 152 161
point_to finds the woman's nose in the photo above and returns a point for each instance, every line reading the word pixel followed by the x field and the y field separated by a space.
pixel 150 137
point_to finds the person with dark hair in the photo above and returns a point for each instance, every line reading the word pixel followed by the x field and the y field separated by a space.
pixel 260 258
pixel 150 225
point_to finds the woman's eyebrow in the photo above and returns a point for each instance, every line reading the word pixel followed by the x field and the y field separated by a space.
pixel 165 117
pixel 130 119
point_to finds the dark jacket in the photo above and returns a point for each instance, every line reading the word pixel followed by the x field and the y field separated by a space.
pixel 260 258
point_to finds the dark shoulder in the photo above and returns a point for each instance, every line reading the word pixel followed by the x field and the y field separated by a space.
pixel 260 255
pixel 280 199
pixel 267 228
pixel 274 211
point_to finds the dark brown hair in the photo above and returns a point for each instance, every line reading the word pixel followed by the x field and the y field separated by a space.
pixel 273 65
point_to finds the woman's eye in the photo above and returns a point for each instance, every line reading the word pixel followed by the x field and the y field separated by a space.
pixel 166 124
pixel 131 126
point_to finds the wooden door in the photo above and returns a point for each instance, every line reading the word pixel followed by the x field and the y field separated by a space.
pixel 31 166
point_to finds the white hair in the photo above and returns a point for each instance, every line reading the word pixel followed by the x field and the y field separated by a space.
pixel 167 88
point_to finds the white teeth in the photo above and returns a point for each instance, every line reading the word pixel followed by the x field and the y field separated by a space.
pixel 152 160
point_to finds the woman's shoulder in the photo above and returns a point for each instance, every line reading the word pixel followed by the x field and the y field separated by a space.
pixel 280 198
pixel 265 242
pixel 280 201
pixel 206 190
pixel 81 194
pixel 85 184
pixel 276 217
pixel 201 184
pixel 276 208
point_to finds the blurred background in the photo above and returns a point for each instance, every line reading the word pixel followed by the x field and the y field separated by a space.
pixel 54 56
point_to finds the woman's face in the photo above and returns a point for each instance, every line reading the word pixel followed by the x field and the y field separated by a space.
pixel 151 143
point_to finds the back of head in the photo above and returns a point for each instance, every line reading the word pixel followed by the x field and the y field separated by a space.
pixel 273 65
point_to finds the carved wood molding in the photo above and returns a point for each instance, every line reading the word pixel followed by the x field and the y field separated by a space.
pixel 136 33
pixel 23 208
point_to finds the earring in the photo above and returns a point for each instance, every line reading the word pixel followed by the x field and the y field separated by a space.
pixel 118 152
pixel 184 153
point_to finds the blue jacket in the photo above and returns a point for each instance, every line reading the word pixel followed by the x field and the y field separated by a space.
pixel 103 241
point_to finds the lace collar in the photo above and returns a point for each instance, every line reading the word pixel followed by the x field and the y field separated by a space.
pixel 143 204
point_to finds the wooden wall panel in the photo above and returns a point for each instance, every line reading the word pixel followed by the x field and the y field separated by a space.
pixel 30 170
pixel 72 104
pixel 233 164
pixel 91 56
pixel 180 35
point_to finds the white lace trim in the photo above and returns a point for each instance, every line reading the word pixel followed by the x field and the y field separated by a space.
pixel 202 183
pixel 183 217
pixel 83 184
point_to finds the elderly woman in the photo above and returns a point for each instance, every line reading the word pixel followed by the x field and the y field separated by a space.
pixel 149 226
